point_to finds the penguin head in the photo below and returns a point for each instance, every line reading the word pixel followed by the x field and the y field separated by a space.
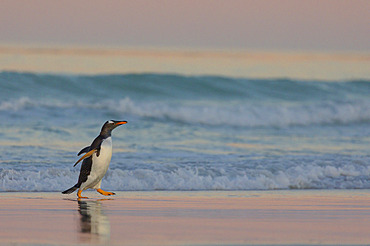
pixel 110 125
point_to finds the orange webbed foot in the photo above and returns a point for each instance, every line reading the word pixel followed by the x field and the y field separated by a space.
pixel 105 193
pixel 79 195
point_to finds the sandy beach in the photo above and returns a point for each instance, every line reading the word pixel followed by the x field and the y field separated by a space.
pixel 308 217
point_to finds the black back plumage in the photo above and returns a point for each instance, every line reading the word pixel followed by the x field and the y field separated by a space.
pixel 87 163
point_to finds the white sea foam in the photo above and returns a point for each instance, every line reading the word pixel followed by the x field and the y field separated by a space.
pixel 251 114
pixel 60 110
pixel 15 105
pixel 241 114
pixel 297 177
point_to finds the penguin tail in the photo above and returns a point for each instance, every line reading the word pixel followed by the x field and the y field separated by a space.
pixel 70 190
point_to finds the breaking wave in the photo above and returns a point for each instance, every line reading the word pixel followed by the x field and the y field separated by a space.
pixel 42 115
pixel 199 99
pixel 241 114
pixel 313 176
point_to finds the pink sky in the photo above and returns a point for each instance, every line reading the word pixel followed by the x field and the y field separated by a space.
pixel 259 24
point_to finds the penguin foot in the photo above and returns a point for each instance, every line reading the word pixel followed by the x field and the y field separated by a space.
pixel 105 193
pixel 79 195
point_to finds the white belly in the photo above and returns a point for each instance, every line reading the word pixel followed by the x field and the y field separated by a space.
pixel 99 166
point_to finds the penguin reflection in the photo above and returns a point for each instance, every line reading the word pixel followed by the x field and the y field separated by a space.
pixel 93 221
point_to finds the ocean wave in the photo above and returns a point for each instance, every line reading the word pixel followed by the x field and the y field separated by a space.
pixel 202 100
pixel 236 114
pixel 251 115
pixel 296 177
pixel 169 86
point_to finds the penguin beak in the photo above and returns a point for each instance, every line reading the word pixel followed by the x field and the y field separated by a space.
pixel 120 123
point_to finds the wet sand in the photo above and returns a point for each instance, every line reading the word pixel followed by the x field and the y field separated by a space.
pixel 187 218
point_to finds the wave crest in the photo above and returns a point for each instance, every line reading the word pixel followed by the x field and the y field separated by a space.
pixel 216 114
pixel 296 177
pixel 251 115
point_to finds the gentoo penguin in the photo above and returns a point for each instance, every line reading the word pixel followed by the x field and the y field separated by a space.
pixel 95 161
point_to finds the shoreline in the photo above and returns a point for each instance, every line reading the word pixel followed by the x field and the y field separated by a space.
pixel 306 217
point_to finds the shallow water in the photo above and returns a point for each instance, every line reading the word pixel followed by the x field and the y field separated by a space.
pixel 185 132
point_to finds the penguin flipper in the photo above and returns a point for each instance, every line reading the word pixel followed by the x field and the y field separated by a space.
pixel 88 154
pixel 84 150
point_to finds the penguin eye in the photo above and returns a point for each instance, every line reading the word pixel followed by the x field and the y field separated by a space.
pixel 110 122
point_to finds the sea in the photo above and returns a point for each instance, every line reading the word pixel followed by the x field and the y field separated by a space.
pixel 185 132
